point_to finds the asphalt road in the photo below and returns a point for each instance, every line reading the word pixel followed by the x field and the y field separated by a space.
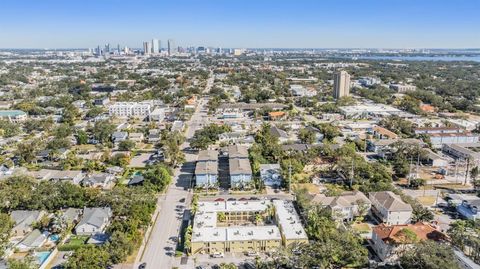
pixel 159 250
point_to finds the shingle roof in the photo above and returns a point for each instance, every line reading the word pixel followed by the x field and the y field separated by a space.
pixel 343 200
pixel 277 132
pixel 237 151
pixel 34 239
pixel 207 155
pixel 95 216
pixel 206 168
pixel 25 217
pixel 239 166
pixel 390 201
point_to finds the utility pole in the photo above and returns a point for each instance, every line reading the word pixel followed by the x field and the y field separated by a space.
pixel 466 171
pixel 289 173
pixel 353 173
pixel 456 171
pixel 409 171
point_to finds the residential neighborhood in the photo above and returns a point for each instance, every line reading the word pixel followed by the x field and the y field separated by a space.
pixel 155 154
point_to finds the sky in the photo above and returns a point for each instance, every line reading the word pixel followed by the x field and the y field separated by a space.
pixel 241 23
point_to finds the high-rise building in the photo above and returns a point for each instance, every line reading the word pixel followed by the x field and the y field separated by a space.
pixel 171 47
pixel 147 48
pixel 155 46
pixel 107 48
pixel 341 84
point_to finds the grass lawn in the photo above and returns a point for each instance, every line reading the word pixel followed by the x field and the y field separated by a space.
pixel 426 200
pixel 75 241
pixel 85 147
pixel 361 227
pixel 311 188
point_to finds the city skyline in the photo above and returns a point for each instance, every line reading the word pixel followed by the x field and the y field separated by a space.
pixel 268 24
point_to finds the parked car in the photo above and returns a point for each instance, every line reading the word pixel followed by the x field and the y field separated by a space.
pixel 217 255
pixel 142 266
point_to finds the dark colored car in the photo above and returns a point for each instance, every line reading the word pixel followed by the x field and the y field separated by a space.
pixel 142 266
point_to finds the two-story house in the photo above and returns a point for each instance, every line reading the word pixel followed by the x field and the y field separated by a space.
pixel 93 221
pixel 346 206
pixel 23 220
pixel 388 241
pixel 389 208
pixel 239 165
pixel 206 169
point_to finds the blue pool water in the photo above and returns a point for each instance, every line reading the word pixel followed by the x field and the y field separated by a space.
pixel 42 256
pixel 54 237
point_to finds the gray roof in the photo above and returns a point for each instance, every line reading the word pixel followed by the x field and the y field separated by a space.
pixel 96 216
pixel 207 155
pixel 295 147
pixel 98 178
pixel 388 142
pixel 203 168
pixel 71 214
pixel 237 151
pixel 251 106
pixel 239 166
pixel 34 239
pixel 277 132
pixel 25 217
pixel 120 135
pixel 346 199
pixel 136 179
pixel 390 201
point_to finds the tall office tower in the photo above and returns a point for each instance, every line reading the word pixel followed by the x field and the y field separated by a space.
pixel 171 47
pixel 147 47
pixel 107 48
pixel 155 48
pixel 118 49
pixel 341 84
pixel 98 51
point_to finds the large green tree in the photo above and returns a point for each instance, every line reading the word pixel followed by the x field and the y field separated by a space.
pixel 429 255
pixel 89 257
pixel 6 225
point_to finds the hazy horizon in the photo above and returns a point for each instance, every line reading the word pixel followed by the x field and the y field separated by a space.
pixel 308 24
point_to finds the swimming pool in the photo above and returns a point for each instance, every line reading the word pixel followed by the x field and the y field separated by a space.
pixel 54 237
pixel 42 256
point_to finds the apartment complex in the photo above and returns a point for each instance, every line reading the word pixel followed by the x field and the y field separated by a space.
pixel 341 84
pixel 239 165
pixel 463 151
pixel 240 226
pixel 130 109
pixel 14 116
pixel 440 136
pixel 402 88
pixel 206 170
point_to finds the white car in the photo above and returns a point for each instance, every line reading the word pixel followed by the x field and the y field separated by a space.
pixel 251 253
pixel 217 255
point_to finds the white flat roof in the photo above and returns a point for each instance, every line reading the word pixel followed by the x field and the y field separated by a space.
pixel 205 223
pixel 289 220
pixel 233 206
pixel 370 108
pixel 239 233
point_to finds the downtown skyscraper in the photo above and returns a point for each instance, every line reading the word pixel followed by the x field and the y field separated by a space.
pixel 341 84
pixel 171 47
pixel 155 46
